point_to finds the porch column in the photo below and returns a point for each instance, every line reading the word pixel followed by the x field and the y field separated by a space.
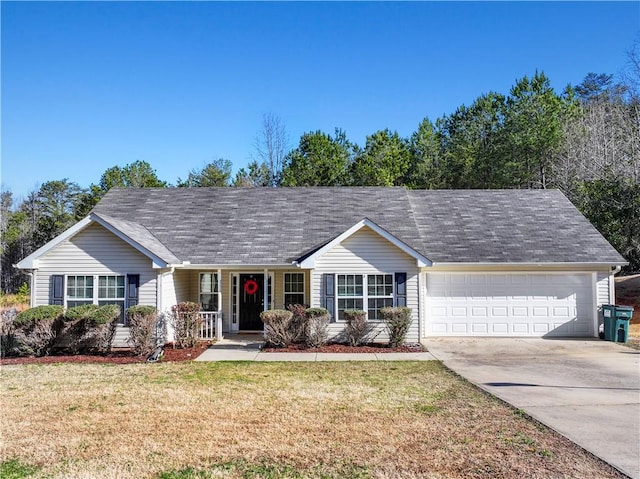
pixel 219 315
pixel 266 290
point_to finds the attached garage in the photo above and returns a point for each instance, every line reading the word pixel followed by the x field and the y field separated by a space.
pixel 510 304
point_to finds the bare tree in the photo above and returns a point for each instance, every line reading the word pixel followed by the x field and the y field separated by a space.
pixel 271 146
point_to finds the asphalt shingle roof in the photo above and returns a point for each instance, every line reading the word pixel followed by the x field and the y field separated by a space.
pixel 269 226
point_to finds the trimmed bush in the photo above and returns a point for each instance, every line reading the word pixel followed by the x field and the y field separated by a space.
pixel 87 328
pixel 100 329
pixel 298 322
pixel 397 321
pixel 80 312
pixel 186 321
pixel 357 327
pixel 7 341
pixel 34 330
pixel 317 327
pixel 278 331
pixel 39 313
pixel 143 325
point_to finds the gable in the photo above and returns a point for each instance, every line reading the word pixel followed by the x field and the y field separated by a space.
pixel 94 249
pixel 365 250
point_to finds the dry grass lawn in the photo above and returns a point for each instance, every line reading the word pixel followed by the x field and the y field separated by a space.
pixel 184 420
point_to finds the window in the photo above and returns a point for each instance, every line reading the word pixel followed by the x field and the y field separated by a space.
pixel 79 290
pixel 110 290
pixel 369 292
pixel 350 293
pixel 379 294
pixel 293 288
pixel 208 292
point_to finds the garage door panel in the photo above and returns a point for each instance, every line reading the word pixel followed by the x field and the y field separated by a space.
pixel 510 304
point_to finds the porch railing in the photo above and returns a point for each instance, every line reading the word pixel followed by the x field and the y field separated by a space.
pixel 211 327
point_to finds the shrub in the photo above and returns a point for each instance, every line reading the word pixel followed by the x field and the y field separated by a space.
pixel 34 330
pixel 397 321
pixel 278 329
pixel 7 342
pixel 79 312
pixel 298 322
pixel 39 313
pixel 143 324
pixel 87 328
pixel 186 321
pixel 71 329
pixel 99 328
pixel 317 327
pixel 357 328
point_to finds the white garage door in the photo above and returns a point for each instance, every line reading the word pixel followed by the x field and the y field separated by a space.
pixel 509 304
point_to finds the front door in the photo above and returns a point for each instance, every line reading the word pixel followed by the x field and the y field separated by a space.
pixel 251 301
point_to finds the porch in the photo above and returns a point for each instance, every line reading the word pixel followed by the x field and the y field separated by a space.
pixel 210 330
pixel 231 300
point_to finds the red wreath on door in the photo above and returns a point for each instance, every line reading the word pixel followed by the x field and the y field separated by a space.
pixel 251 287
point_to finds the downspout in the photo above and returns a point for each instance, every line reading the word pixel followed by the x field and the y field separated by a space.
pixel 32 287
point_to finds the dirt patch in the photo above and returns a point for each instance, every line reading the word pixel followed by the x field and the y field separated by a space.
pixel 628 294
pixel 121 356
pixel 345 348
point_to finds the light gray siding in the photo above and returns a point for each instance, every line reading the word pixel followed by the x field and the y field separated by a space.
pixel 366 252
pixel 92 251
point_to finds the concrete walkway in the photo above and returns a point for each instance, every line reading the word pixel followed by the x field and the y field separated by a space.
pixel 587 390
pixel 246 347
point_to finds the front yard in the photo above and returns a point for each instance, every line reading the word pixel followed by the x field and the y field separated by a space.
pixel 200 420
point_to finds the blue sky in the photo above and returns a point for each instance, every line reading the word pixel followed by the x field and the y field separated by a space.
pixel 86 86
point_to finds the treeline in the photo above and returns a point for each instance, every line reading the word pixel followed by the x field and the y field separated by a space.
pixel 584 141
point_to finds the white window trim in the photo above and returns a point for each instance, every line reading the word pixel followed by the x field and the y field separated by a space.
pixel 365 293
pixel 392 297
pixel 284 287
pixel 96 288
pixel 217 290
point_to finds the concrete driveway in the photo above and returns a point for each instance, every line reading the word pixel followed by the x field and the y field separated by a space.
pixel 587 390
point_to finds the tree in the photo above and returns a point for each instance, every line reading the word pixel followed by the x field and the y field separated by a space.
pixel 44 214
pixel 384 161
pixel 271 146
pixel 55 206
pixel 427 166
pixel 612 204
pixel 533 128
pixel 255 175
pixel 138 174
pixel 216 173
pixel 473 139
pixel 318 160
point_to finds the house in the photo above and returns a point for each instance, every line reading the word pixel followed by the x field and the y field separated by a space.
pixel 467 262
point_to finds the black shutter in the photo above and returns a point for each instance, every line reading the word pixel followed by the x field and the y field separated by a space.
pixel 57 290
pixel 401 289
pixel 133 285
pixel 328 293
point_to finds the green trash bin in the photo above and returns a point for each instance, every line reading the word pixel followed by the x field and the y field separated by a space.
pixel 609 319
pixel 623 315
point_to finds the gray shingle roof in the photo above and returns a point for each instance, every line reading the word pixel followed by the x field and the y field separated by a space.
pixel 269 226
pixel 141 235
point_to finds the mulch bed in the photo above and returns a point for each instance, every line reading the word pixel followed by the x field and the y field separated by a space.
pixel 345 348
pixel 124 356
